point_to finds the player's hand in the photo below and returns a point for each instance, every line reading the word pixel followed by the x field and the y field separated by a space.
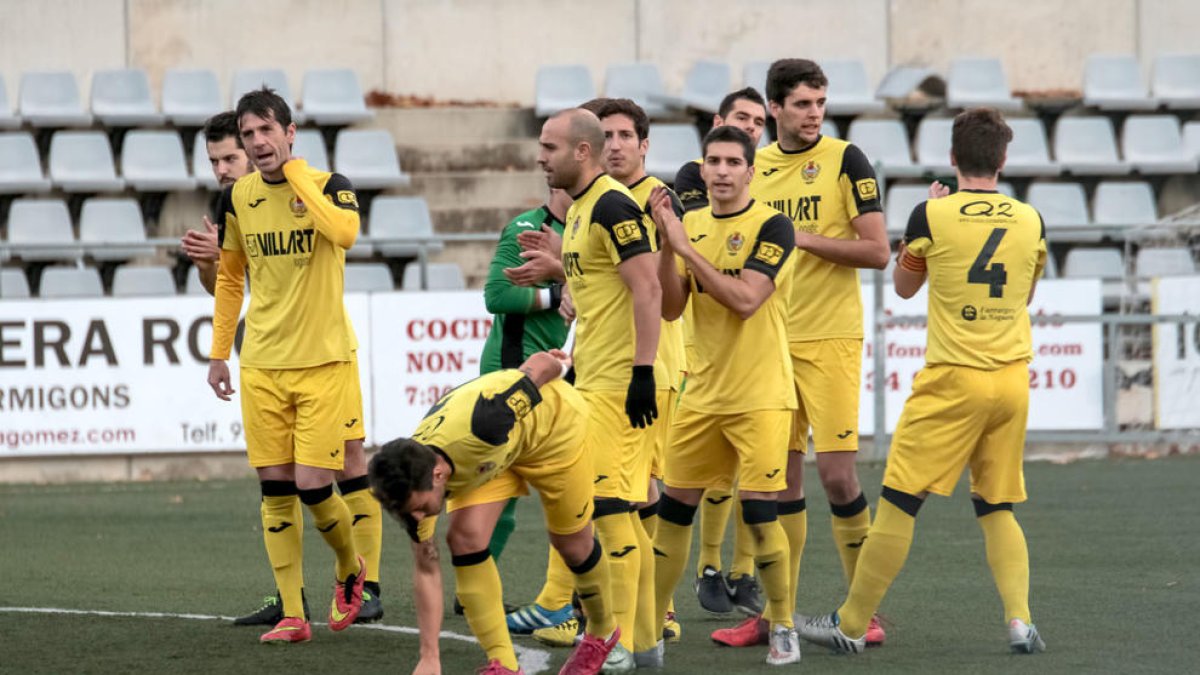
pixel 566 306
pixel 938 190
pixel 539 266
pixel 428 665
pixel 201 246
pixel 218 379
pixel 546 240
pixel 666 221
pixel 640 405
pixel 563 357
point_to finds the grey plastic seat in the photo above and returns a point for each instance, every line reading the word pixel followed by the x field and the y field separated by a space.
pixel 121 98
pixel 193 285
pixel 42 221
pixel 1115 82
pixel 1093 263
pixel 561 87
pixel 440 277
pixel 899 205
pixel 754 74
pixel 20 165
pixel 849 91
pixel 1164 262
pixel 1029 153
pixel 368 278
pixel 310 145
pixel 334 97
pixel 13 285
pixel 902 81
pixel 142 282
pixel 250 79
pixel 51 99
pixel 71 282
pixel 885 142
pixel 933 144
pixel 705 85
pixel 1064 209
pixel 1153 144
pixel 1124 203
pixel 153 161
pixel 979 82
pixel 368 158
pixel 82 161
pixel 112 221
pixel 7 119
pixel 1006 188
pixel 1177 80
pixel 828 128
pixel 671 145
pixel 1087 146
pixel 201 167
pixel 395 217
pixel 190 97
pixel 640 82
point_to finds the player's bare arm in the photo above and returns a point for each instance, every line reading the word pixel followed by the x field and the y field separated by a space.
pixel 640 274
pixel 674 287
pixel 869 250
pixel 427 596
pixel 545 367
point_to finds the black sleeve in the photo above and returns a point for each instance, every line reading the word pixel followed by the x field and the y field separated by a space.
pixel 676 204
pixel 339 191
pixel 863 183
pixel 776 239
pixel 224 207
pixel 625 223
pixel 692 191
pixel 494 418
pixel 918 225
pixel 1041 220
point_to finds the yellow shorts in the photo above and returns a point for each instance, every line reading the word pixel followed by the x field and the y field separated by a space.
pixel 666 401
pixel 828 377
pixel 296 416
pixel 620 453
pixel 708 451
pixel 354 428
pixel 956 417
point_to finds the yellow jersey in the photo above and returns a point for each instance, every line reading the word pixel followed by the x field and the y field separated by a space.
pixel 983 252
pixel 604 227
pixel 669 364
pixel 821 189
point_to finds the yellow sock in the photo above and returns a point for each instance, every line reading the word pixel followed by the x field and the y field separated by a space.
pixel 479 592
pixel 881 559
pixel 560 583
pixel 850 525
pixel 283 534
pixel 650 520
pixel 793 517
pixel 650 524
pixel 771 558
pixel 333 519
pixel 1008 557
pixel 714 516
pixel 672 545
pixel 594 582
pixel 647 626
pixel 618 535
pixel 366 523
pixel 743 547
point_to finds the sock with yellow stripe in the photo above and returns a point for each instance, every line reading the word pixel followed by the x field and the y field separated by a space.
pixel 366 524
pixel 560 583
pixel 672 545
pixel 743 547
pixel 850 525
pixel 478 589
pixel 883 555
pixel 770 558
pixel 1007 555
pixel 793 517
pixel 283 534
pixel 715 508
pixel 593 580
pixel 333 522
pixel 617 532
pixel 647 626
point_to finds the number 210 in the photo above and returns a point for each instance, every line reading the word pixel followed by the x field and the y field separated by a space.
pixel 995 276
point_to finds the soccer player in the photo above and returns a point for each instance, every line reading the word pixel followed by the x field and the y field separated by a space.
pixel 735 418
pixel 290 226
pixel 609 256
pixel 484 439
pixel 229 163
pixel 744 109
pixel 982 253
pixel 828 188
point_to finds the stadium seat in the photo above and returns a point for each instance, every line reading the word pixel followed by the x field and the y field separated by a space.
pixel 671 145
pixel 1124 203
pixel 1028 153
pixel 310 145
pixel 153 161
pixel 111 221
pixel 440 277
pixel 368 278
pixel 71 282
pixel 334 97
pixel 979 82
pixel 899 205
pixel 42 221
pixel 640 82
pixel 155 281
pixel 1115 82
pixel 1064 210
pixel 1087 146
pixel 562 87
pixel 201 167
pixel 901 82
pixel 1153 144
pixel 190 97
pixel 1006 188
pixel 20 165
pixel 933 144
pixel 249 79
pixel 828 128
pixel 849 92
pixel 13 285
pixel 885 142
pixel 193 285
pixel 1177 81
pixel 7 119
pixel 368 158
pixel 754 74
pixel 396 217
pixel 51 99
pixel 705 85
pixel 82 161
pixel 1164 262
pixel 1191 139
pixel 1106 264
pixel 121 98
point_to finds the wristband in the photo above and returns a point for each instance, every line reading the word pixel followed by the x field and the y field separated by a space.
pixel 543 296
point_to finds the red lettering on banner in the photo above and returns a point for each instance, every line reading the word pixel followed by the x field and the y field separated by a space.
pixel 454 329
pixel 434 362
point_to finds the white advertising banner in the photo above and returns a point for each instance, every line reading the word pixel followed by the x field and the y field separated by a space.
pixel 1177 355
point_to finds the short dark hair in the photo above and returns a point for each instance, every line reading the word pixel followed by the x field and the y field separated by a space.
pixel 221 126
pixel 749 94
pixel 626 107
pixel 266 104
pixel 595 105
pixel 787 74
pixel 978 142
pixel 728 134
pixel 401 467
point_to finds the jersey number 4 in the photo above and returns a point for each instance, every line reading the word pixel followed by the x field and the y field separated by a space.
pixel 981 273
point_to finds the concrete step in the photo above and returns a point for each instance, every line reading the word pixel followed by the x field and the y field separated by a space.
pixel 462 189
pixel 477 219
pixel 491 155
pixel 422 125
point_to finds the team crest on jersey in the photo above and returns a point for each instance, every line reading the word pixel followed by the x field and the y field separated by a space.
pixel 733 243
pixel 520 404
pixel 298 207
pixel 810 171
pixel 868 189
pixel 486 468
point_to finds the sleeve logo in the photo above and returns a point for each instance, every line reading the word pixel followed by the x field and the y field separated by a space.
pixel 347 197
pixel 627 232
pixel 769 253
pixel 520 404
pixel 867 189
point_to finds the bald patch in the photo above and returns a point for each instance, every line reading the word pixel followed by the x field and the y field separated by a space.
pixel 583 127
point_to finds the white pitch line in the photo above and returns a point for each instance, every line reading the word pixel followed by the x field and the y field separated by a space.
pixel 532 660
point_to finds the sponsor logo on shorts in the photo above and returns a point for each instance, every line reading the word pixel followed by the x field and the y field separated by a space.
pixel 588 596
pixel 352 422
pixel 335 452
pixel 718 500
pixel 764 564
pixel 846 434
pixel 582 513
pixel 857 544
pixel 599 478
pixel 773 473
pixel 358 517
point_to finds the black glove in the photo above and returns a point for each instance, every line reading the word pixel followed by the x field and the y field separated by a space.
pixel 639 401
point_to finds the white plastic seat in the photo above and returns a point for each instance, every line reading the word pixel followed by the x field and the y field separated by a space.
pixel 20 165
pixel 754 74
pixel 705 85
pixel 201 166
pixel 1064 209
pixel 1029 153
pixel 1177 80
pixel 899 205
pixel 1124 203
pixel 1164 262
pixel 71 282
pixel 154 281
pixel 561 87
pixel 121 98
pixel 1094 263
pixel 828 128
pixel 1153 144
pixel 885 142
pixel 7 119
pixel 42 221
pixel 190 97
pixel 440 277
pixel 396 217
pixel 334 97
pixel 310 145
pixel 979 82
pixel 250 79
pixel 671 145
pixel 902 81
pixel 153 161
pixel 111 221
pixel 1191 139
pixel 51 99
pixel 82 161
pixel 13 285
pixel 933 144
pixel 640 82
pixel 1087 146
pixel 368 158
pixel 849 91
pixel 368 278
pixel 1115 82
